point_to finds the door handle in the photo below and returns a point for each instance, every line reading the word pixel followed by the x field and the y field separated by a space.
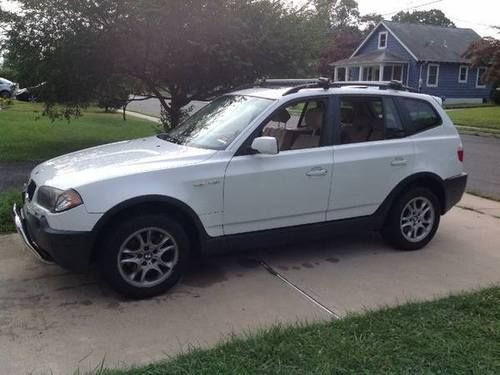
pixel 399 162
pixel 317 172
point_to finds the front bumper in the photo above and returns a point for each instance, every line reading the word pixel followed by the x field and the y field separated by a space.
pixel 70 250
pixel 454 189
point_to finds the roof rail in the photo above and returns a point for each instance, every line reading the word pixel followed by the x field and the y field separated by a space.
pixel 320 83
pixel 326 83
pixel 392 85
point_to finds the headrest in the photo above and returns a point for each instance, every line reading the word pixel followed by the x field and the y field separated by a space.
pixel 281 116
pixel 314 118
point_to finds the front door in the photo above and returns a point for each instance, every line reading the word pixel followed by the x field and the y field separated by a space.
pixel 372 156
pixel 288 189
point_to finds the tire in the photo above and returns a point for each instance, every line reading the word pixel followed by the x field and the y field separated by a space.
pixel 5 94
pixel 143 269
pixel 413 220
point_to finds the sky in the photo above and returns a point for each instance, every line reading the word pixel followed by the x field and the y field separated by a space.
pixel 479 15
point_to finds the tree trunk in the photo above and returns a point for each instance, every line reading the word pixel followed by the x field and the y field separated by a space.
pixel 125 111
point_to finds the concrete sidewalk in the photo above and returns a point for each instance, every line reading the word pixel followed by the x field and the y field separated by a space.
pixel 53 321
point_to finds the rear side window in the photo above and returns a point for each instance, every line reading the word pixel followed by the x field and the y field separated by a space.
pixel 367 119
pixel 421 114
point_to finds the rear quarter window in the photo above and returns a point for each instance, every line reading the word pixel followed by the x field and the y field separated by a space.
pixel 420 114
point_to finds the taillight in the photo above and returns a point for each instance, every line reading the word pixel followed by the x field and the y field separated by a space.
pixel 460 154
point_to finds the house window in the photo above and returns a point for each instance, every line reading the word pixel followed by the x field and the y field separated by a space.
pixel 371 73
pixel 387 76
pixel 382 40
pixel 480 81
pixel 341 76
pixel 432 75
pixel 397 73
pixel 393 73
pixel 463 74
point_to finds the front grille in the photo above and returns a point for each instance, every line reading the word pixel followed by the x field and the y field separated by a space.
pixel 30 191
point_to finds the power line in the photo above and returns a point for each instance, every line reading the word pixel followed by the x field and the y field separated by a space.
pixel 413 7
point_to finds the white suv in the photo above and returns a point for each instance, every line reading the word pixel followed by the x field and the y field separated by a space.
pixel 253 167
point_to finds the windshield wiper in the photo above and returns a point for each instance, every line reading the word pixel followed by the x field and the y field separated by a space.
pixel 169 138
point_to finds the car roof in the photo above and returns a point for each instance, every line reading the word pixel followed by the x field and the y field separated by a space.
pixel 276 93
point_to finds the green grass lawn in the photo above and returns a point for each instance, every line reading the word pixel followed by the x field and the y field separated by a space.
pixel 7 200
pixel 487 117
pixel 26 135
pixel 455 335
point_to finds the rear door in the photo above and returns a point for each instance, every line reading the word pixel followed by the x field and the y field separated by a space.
pixel 371 156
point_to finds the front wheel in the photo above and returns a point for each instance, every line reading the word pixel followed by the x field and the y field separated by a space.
pixel 413 220
pixel 145 256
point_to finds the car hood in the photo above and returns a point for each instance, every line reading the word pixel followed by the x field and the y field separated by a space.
pixel 114 160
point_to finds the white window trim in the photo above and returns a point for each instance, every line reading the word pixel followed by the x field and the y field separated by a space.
pixel 380 38
pixel 437 75
pixel 478 75
pixel 466 73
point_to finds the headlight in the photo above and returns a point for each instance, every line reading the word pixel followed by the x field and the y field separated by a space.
pixel 57 200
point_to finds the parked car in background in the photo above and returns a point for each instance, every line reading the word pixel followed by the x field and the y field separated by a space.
pixel 29 94
pixel 7 88
pixel 252 168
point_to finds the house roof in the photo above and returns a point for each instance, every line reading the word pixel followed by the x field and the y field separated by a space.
pixel 372 57
pixel 433 43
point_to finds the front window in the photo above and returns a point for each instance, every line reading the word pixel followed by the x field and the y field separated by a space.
pixel 298 126
pixel 371 73
pixel 219 123
pixel 463 74
pixel 481 82
pixel 432 75
pixel 341 74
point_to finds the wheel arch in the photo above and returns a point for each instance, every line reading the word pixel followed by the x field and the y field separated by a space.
pixel 422 179
pixel 151 204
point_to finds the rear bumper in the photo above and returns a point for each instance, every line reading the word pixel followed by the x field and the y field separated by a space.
pixel 454 189
pixel 70 250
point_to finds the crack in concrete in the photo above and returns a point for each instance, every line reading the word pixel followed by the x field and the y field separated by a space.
pixel 302 292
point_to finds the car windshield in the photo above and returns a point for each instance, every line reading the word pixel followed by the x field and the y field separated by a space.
pixel 217 125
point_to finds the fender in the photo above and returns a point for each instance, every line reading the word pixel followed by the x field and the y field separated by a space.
pixel 423 178
pixel 160 200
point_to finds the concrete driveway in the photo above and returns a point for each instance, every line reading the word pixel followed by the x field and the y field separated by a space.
pixel 55 322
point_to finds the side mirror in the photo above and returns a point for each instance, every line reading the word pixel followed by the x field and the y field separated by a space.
pixel 265 145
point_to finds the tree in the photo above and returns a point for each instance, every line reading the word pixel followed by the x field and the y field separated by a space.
pixel 370 21
pixel 337 14
pixel 429 17
pixel 486 52
pixel 340 46
pixel 176 50
pixel 341 21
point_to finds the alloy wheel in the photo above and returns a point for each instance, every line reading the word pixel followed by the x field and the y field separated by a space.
pixel 417 219
pixel 148 257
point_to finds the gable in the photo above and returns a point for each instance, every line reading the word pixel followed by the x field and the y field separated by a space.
pixel 394 46
pixel 434 43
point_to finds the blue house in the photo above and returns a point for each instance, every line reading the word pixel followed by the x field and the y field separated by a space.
pixel 426 57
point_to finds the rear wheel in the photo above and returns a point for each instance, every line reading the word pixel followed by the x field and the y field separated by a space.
pixel 4 94
pixel 145 256
pixel 413 220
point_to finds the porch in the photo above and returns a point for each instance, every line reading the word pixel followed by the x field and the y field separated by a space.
pixel 378 66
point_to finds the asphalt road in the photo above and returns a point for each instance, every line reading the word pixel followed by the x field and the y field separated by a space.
pixel 482 162
pixel 53 321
